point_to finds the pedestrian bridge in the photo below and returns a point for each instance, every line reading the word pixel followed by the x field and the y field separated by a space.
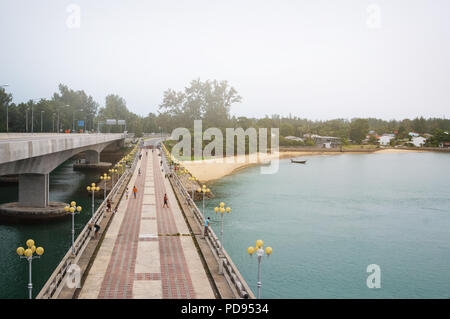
pixel 34 156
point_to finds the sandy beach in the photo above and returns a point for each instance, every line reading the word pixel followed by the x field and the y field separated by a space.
pixel 211 169
pixel 393 151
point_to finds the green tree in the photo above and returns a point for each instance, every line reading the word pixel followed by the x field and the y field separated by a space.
pixel 286 129
pixel 209 101
pixel 358 130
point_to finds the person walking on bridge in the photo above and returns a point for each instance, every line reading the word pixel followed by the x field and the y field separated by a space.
pixel 134 191
pixel 166 199
pixel 207 220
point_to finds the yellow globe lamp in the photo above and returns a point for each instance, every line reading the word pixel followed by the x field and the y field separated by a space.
pixel 93 184
pixel 199 190
pixel 39 251
pixel 73 204
pixel 259 243
pixel 216 209
pixel 20 251
pixel 251 250
pixel 228 209
pixel 222 210
pixel 28 252
pixel 72 209
pixel 88 188
pixel 268 251
pixel 97 188
pixel 33 248
pixel 30 242
pixel 222 204
pixel 79 209
pixel 67 209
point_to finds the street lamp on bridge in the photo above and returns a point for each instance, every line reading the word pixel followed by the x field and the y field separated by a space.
pixel 73 119
pixel 32 115
pixel 93 189
pixel 105 178
pixel 203 190
pixel 28 254
pixel 2 86
pixel 42 112
pixel 222 210
pixel 73 210
pixel 112 171
pixel 260 253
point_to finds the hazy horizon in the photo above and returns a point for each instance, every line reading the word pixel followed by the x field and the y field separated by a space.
pixel 314 59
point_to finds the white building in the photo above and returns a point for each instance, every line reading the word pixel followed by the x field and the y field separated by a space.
pixel 418 141
pixel 385 139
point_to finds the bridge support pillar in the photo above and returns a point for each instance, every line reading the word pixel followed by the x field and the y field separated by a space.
pixel 93 157
pixel 34 190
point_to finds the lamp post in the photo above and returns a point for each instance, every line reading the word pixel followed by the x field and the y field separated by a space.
pixel 73 210
pixel 112 171
pixel 222 210
pixel 32 114
pixel 93 189
pixel 26 120
pixel 260 253
pixel 58 122
pixel 42 112
pixel 73 119
pixel 105 178
pixel 28 254
pixel 203 190
pixel 5 85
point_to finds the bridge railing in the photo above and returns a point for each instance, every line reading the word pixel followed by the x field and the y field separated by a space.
pixel 234 278
pixel 56 282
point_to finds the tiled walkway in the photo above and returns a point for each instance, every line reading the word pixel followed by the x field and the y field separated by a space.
pixel 147 251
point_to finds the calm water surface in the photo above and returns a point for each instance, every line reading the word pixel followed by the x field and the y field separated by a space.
pixel 331 218
pixel 326 221
pixel 55 236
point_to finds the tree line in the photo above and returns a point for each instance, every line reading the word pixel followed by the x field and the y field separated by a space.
pixel 209 101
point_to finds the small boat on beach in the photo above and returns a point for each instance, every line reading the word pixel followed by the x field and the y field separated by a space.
pixel 298 161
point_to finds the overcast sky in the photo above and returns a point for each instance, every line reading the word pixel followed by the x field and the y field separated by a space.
pixel 316 59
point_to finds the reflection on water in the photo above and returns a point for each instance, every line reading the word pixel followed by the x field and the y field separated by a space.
pixel 331 218
pixel 54 235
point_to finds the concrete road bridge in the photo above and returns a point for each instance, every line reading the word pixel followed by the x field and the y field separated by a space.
pixel 33 156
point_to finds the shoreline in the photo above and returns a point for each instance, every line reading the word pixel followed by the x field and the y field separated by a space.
pixel 211 169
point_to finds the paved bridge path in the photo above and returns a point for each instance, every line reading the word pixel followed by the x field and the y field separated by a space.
pixel 147 251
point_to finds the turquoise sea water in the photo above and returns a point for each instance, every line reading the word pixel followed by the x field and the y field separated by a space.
pixel 331 218
pixel 55 236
